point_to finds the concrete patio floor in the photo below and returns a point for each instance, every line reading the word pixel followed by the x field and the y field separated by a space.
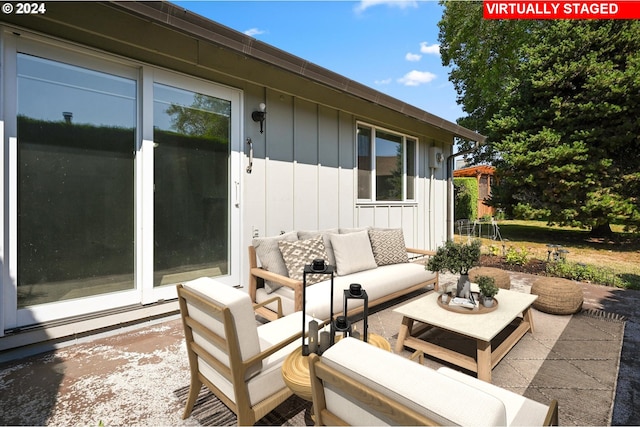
pixel 608 300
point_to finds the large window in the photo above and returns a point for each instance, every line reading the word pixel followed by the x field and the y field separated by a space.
pixel 76 144
pixel 386 165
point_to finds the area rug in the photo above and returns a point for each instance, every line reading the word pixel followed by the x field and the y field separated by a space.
pixel 141 377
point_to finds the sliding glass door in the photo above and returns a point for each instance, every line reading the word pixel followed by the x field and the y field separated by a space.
pixel 191 135
pixel 75 167
pixel 122 180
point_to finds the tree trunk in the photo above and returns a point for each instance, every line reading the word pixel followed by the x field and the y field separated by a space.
pixel 601 230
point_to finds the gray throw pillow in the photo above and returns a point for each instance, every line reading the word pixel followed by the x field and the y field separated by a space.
pixel 388 246
pixel 300 253
pixel 270 257
pixel 326 239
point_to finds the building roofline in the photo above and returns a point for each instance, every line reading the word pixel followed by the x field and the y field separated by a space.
pixel 197 26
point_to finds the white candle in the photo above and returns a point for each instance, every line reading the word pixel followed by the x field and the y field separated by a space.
pixel 355 334
pixel 313 336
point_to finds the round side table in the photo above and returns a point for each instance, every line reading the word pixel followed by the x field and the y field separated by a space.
pixel 295 368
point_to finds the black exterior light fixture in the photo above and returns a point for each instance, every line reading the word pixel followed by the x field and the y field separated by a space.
pixel 260 115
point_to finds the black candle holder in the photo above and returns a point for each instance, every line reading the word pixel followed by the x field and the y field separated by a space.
pixel 318 266
pixel 355 291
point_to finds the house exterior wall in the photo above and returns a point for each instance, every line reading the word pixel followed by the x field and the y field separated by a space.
pixel 303 174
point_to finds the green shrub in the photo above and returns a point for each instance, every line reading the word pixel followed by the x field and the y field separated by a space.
pixel 585 273
pixel 493 250
pixel 465 198
pixel 517 256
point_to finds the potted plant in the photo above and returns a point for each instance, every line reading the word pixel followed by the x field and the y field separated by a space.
pixel 457 258
pixel 488 289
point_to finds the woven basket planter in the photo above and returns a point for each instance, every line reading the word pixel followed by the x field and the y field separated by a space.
pixel 501 277
pixel 557 296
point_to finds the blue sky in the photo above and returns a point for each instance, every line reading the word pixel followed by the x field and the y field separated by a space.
pixel 389 45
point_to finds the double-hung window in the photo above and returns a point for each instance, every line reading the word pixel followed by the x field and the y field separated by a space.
pixel 386 165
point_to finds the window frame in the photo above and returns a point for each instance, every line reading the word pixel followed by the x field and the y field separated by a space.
pixel 373 199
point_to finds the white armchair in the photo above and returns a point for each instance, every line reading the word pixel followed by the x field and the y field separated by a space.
pixel 237 359
pixel 355 383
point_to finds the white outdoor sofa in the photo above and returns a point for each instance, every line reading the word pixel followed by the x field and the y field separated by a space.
pixel 377 259
pixel 354 383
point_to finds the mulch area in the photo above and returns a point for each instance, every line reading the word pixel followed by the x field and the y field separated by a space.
pixel 533 266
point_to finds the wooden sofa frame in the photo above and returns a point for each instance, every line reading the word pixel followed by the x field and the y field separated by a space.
pixel 258 275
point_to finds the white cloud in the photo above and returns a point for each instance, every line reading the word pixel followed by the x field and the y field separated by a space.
pixel 383 82
pixel 252 32
pixel 413 57
pixel 433 49
pixel 402 4
pixel 416 78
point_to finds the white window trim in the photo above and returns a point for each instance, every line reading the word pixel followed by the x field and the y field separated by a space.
pixel 373 201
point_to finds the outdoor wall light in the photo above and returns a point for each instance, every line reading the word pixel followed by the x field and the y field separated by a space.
pixel 259 116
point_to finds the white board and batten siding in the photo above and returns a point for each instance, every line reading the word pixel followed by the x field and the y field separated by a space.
pixel 304 177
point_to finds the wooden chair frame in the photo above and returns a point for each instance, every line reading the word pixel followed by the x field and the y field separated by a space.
pixel 236 371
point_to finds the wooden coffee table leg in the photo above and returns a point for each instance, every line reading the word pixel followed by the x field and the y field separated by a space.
pixel 528 317
pixel 484 360
pixel 405 331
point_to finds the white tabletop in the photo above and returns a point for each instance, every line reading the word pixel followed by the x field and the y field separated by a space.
pixel 483 326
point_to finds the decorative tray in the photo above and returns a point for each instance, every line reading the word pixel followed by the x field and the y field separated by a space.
pixel 481 309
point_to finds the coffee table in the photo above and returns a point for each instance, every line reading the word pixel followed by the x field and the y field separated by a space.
pixel 295 368
pixel 424 314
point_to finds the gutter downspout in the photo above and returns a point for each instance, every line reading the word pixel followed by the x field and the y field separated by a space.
pixel 450 167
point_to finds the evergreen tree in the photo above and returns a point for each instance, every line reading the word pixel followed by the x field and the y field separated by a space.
pixel 568 131
pixel 559 101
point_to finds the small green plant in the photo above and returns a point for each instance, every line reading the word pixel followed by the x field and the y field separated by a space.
pixel 487 286
pixel 493 250
pixel 458 258
pixel 584 273
pixel 517 256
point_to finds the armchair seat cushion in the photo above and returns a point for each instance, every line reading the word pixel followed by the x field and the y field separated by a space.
pixel 269 380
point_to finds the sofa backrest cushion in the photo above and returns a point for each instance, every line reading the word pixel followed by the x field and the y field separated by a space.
pixel 446 401
pixel 300 253
pixel 388 246
pixel 270 256
pixel 353 252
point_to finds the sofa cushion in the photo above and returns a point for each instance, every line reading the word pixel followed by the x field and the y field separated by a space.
pixel 353 252
pixel 326 239
pixel 270 256
pixel 300 253
pixel 446 401
pixel 388 246
pixel 378 283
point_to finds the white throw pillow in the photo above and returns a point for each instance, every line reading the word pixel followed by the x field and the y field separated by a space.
pixel 353 252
